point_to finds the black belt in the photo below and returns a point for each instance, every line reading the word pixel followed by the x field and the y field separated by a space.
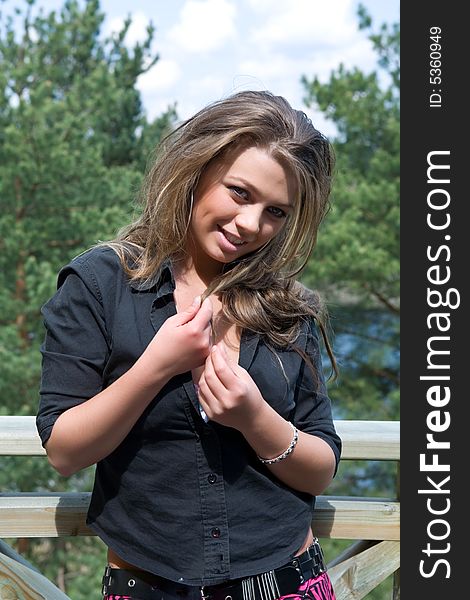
pixel 265 586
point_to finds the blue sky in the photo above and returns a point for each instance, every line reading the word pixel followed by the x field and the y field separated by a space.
pixel 211 48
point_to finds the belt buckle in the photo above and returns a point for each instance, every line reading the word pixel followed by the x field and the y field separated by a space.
pixel 315 553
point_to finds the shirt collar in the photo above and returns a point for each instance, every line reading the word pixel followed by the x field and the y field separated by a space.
pixel 162 279
pixel 163 282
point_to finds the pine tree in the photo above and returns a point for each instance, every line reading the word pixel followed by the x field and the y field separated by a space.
pixel 74 141
pixel 355 265
pixel 356 262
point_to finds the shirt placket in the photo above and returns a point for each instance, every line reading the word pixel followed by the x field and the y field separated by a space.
pixel 213 504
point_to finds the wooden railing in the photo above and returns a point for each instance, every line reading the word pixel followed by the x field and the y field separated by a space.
pixel 372 523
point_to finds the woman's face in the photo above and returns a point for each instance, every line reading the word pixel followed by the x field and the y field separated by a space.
pixel 240 204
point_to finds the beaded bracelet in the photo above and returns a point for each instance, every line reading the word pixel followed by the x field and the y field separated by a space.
pixel 287 451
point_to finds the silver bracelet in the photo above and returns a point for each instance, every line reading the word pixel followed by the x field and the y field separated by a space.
pixel 287 451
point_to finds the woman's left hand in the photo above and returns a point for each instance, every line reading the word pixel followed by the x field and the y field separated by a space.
pixel 227 392
pixel 229 396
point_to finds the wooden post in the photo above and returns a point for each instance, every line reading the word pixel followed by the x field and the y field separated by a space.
pixel 396 575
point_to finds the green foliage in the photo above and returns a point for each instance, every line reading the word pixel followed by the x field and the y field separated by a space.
pixel 74 142
pixel 355 265
pixel 73 145
pixel 75 565
pixel 356 261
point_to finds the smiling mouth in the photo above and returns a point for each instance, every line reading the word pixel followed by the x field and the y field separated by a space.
pixel 231 238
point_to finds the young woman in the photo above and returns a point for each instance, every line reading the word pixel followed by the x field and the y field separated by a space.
pixel 183 359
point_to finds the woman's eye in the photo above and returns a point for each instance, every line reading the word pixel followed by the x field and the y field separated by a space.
pixel 277 212
pixel 240 192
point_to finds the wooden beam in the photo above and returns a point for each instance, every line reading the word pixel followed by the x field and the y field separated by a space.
pixel 352 518
pixel 17 580
pixel 18 436
pixel 58 514
pixel 7 550
pixel 43 515
pixel 368 440
pixel 356 576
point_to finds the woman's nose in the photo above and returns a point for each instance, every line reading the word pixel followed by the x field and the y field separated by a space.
pixel 248 220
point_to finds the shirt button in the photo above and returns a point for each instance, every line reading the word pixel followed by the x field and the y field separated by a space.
pixel 215 532
pixel 212 478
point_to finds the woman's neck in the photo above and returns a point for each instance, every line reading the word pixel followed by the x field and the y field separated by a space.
pixel 195 275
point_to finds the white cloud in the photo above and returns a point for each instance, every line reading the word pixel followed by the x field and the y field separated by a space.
pixel 156 104
pixel 137 30
pixel 284 68
pixel 303 37
pixel 162 76
pixel 212 48
pixel 259 69
pixel 300 22
pixel 204 25
pixel 200 92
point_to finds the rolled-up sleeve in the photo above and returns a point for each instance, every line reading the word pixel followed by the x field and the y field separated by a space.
pixel 312 413
pixel 75 347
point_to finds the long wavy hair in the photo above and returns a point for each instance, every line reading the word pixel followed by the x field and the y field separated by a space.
pixel 259 291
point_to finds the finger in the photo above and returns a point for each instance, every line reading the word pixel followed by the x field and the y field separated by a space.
pixel 189 313
pixel 236 368
pixel 211 379
pixel 204 315
pixel 221 366
pixel 206 398
pixel 223 352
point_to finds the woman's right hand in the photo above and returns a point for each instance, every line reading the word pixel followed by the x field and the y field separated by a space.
pixel 91 430
pixel 182 343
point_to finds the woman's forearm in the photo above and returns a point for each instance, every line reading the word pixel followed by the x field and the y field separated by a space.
pixel 90 431
pixel 308 468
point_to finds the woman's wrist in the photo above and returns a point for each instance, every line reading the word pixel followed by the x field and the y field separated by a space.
pixel 286 452
pixel 269 434
pixel 151 372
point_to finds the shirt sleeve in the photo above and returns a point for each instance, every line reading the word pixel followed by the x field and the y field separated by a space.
pixel 75 347
pixel 312 413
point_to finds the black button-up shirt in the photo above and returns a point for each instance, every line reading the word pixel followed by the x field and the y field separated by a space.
pixel 179 497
